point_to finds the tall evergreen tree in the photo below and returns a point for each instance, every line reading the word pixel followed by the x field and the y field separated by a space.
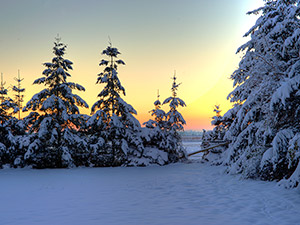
pixel 7 108
pixel 174 118
pixel 158 114
pixel 263 124
pixel 218 131
pixel 7 105
pixel 174 123
pixel 55 119
pixel 3 90
pixel 19 93
pixel 156 127
pixel 122 129
pixel 18 128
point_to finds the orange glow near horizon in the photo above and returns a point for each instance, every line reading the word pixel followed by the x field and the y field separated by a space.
pixel 200 95
pixel 154 38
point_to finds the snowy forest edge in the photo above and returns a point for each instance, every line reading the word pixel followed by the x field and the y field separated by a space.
pixel 56 135
pixel 261 129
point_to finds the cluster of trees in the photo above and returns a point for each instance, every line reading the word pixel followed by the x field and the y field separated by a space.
pixel 56 135
pixel 263 126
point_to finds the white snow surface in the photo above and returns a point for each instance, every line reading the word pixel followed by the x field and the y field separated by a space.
pixel 183 193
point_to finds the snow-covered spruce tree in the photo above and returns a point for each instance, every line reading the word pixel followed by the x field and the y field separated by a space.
pixel 18 139
pixel 264 123
pixel 155 127
pixel 97 130
pixel 174 123
pixel 7 139
pixel 19 93
pixel 219 123
pixel 217 134
pixel 55 119
pixel 117 131
pixel 159 115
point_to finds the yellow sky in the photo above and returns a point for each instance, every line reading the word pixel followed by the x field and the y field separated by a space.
pixel 198 39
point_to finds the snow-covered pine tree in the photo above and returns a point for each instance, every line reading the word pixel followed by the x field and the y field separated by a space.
pixel 218 131
pixel 97 130
pixel 121 129
pixel 283 160
pixel 18 127
pixel 174 118
pixel 7 108
pixel 158 114
pixel 156 133
pixel 3 90
pixel 264 122
pixel 174 123
pixel 55 119
pixel 19 93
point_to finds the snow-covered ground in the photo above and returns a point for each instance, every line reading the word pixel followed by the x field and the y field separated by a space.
pixel 191 193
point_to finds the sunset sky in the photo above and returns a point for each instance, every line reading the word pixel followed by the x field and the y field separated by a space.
pixel 197 38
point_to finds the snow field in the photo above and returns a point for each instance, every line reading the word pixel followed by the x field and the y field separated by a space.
pixel 183 193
